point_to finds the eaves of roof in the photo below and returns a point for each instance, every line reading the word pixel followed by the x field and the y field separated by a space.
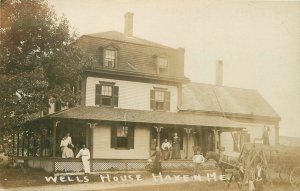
pixel 178 119
pixel 137 75
pixel 120 37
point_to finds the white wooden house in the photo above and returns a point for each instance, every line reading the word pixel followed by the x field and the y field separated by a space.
pixel 134 96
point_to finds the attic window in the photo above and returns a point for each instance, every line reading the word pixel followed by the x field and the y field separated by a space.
pixel 162 65
pixel 110 58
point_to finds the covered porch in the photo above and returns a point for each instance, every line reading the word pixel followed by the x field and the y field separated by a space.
pixel 141 132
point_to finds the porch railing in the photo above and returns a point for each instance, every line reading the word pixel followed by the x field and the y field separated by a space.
pixel 57 165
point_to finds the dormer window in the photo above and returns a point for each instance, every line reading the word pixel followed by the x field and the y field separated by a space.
pixel 162 65
pixel 110 58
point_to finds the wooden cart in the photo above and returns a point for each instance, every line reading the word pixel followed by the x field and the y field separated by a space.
pixel 282 161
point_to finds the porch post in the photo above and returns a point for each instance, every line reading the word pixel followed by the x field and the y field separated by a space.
pixel 55 123
pixel 14 145
pixel 91 136
pixel 23 143
pixel 158 129
pixel 18 142
pixel 41 145
pixel 219 135
pixel 216 140
pixel 188 131
pixel 277 135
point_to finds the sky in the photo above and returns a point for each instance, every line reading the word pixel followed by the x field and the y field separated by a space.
pixel 258 41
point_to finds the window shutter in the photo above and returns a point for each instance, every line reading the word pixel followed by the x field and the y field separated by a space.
pixel 113 143
pixel 167 101
pixel 98 94
pixel 131 137
pixel 116 96
pixel 152 99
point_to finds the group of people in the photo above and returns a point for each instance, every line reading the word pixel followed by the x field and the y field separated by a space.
pixel 164 153
pixel 167 148
pixel 67 146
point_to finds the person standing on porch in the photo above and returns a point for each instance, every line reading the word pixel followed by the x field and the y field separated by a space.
pixel 166 146
pixel 85 155
pixel 64 146
pixel 265 136
pixel 198 159
pixel 176 147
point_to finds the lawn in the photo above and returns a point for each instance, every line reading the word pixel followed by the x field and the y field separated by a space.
pixel 20 178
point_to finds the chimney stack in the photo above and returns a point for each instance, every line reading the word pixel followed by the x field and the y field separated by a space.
pixel 219 73
pixel 128 28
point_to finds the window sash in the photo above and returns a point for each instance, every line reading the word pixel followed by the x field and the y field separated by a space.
pixel 106 90
pixel 159 96
pixel 122 131
pixel 122 137
pixel 106 95
pixel 110 58
pixel 160 100
pixel 162 63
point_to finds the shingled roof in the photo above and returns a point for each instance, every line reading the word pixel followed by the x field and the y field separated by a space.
pixel 206 97
pixel 146 117
pixel 133 54
pixel 118 36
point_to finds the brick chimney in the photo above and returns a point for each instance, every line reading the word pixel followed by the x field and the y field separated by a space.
pixel 128 25
pixel 219 73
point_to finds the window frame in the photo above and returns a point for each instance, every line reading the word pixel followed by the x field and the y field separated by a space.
pixel 106 59
pixel 159 65
pixel 115 139
pixel 154 103
pixel 99 96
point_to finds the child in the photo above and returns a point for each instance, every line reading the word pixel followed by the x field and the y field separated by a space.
pixel 198 159
pixel 157 161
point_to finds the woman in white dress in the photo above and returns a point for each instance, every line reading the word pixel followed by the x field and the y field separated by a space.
pixel 64 146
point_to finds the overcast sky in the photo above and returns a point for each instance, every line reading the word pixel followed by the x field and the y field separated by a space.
pixel 259 42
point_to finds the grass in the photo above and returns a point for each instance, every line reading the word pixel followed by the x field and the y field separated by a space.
pixel 20 177
pixel 13 177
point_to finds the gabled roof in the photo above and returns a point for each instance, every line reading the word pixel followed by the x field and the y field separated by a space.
pixel 147 117
pixel 118 36
pixel 206 97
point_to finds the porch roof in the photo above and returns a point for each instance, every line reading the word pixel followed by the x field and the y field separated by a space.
pixel 149 117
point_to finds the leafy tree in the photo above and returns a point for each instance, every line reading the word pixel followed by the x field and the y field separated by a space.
pixel 38 61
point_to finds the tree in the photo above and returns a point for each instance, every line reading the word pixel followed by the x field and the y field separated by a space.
pixel 39 61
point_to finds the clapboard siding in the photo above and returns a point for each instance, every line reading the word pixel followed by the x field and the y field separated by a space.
pixel 102 149
pixel 132 95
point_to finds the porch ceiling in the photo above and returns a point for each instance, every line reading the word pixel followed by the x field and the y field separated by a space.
pixel 149 117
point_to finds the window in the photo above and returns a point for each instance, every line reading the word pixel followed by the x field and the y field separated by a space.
pixel 160 99
pixel 122 137
pixel 162 65
pixel 107 94
pixel 110 58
